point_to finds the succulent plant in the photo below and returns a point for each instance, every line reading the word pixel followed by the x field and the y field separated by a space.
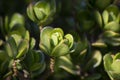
pixel 111 38
pixel 42 12
pixel 37 64
pixel 54 43
pixel 15 49
pixel 99 4
pixel 15 25
pixel 111 65
pixel 109 19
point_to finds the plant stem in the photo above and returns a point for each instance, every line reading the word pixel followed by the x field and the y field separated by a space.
pixel 52 62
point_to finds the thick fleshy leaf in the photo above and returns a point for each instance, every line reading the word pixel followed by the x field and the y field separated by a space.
pixel 6 27
pixel 65 63
pixel 32 43
pixel 39 10
pixel 29 60
pixel 98 18
pixel 111 38
pixel 95 60
pixel 17 38
pixel 45 38
pixel 16 19
pixel 39 71
pixel 105 16
pixel 70 40
pixel 114 9
pixel 115 66
pixel 35 67
pixel 60 50
pixel 110 34
pixel 59 31
pixel 101 4
pixel 4 66
pixel 107 62
pixel 39 57
pixel 114 26
pixel 22 48
pixel 3 55
pixel 114 75
pixel 56 36
pixel 30 13
pixel 9 50
pixel 11 47
pixel 17 29
pixel 27 35
pixel 117 56
pixel 99 44
pixel 1 42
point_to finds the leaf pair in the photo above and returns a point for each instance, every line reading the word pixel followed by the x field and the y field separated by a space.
pixel 34 62
pixel 112 66
pixel 99 4
pixel 15 25
pixel 109 19
pixel 16 47
pixel 42 12
pixel 54 43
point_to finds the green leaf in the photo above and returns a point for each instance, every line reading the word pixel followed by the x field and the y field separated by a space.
pixel 1 42
pixel 30 13
pixel 65 63
pixel 17 38
pixel 39 57
pixel 105 16
pixel 3 55
pixel 27 35
pixel 113 26
pixel 29 59
pixel 6 27
pixel 98 18
pixel 95 60
pixel 60 50
pixel 39 10
pixel 70 40
pixel 32 43
pixel 11 47
pixel 45 38
pixel 22 48
pixel 113 9
pixel 117 56
pixel 56 36
pixel 110 34
pixel 99 44
pixel 38 72
pixel 4 66
pixel 35 67
pixel 107 62
pixel 111 38
pixel 17 29
pixel 115 66
pixel 16 19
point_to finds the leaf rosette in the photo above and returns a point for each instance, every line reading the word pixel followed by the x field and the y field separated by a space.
pixel 55 43
pixel 42 12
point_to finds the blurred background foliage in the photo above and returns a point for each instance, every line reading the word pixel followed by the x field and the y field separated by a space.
pixel 94 25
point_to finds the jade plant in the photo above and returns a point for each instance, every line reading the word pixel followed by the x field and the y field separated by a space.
pixel 59 40
pixel 42 12
pixel 111 65
pixel 54 43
